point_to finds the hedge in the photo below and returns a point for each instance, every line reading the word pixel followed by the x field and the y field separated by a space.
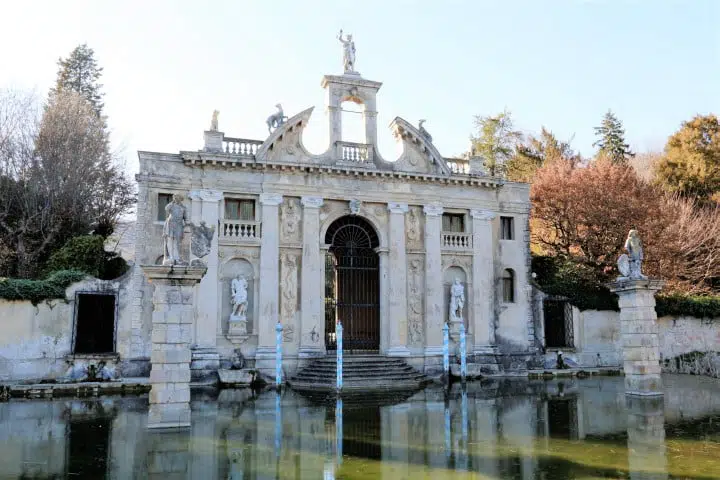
pixel 53 286
pixel 87 253
pixel 688 306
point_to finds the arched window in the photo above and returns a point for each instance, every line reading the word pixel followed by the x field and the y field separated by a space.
pixel 508 286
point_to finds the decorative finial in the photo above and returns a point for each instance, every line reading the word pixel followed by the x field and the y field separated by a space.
pixel 214 121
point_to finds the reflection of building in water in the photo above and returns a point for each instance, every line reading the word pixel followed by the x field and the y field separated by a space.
pixel 508 430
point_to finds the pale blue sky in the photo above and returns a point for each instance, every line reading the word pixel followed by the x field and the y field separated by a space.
pixel 558 63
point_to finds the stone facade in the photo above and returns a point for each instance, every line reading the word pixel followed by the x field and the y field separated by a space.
pixel 289 199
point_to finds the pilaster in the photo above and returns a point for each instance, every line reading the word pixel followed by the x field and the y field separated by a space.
pixel 205 358
pixel 433 280
pixel 269 281
pixel 312 307
pixel 483 285
pixel 397 284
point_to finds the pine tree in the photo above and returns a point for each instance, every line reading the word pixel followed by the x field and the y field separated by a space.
pixel 611 144
pixel 80 73
pixel 495 141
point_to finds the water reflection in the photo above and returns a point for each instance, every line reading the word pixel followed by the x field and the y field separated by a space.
pixel 503 429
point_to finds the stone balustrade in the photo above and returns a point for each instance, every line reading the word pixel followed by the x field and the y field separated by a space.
pixel 458 165
pixel 232 231
pixel 241 146
pixel 456 241
pixel 355 152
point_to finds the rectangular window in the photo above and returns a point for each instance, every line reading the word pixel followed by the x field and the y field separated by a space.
pixel 508 286
pixel 507 228
pixel 239 209
pixel 453 222
pixel 95 323
pixel 163 200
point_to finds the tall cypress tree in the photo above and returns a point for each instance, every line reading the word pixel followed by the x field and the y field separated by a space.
pixel 611 142
pixel 80 73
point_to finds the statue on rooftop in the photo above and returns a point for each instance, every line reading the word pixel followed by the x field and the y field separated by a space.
pixel 630 264
pixel 348 52
pixel 173 231
pixel 424 132
pixel 277 119
pixel 214 121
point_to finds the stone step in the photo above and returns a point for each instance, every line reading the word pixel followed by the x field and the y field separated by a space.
pixel 374 369
pixel 363 385
pixel 332 378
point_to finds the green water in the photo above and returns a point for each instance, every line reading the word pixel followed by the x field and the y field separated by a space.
pixel 574 429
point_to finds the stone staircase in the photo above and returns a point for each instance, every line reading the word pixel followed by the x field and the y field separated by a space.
pixel 360 373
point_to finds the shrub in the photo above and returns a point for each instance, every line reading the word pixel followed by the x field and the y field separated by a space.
pixel 36 291
pixel 87 253
pixel 688 306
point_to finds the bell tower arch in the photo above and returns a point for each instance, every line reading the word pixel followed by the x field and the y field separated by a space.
pixel 354 88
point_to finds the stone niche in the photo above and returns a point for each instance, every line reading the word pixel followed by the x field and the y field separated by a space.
pixel 229 270
pixel 449 276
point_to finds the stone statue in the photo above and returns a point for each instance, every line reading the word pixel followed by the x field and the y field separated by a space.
pixel 214 121
pixel 348 52
pixel 424 132
pixel 354 207
pixel 457 301
pixel 200 240
pixel 277 119
pixel 239 299
pixel 173 231
pixel 630 264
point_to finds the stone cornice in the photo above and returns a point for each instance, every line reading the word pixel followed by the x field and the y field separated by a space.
pixel 312 202
pixel 233 162
pixel 352 80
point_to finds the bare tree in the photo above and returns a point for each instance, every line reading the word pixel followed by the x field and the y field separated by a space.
pixel 57 176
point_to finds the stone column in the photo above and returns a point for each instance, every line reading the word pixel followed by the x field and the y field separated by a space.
pixel 397 282
pixel 172 320
pixel 646 437
pixel 312 283
pixel 433 285
pixel 639 334
pixel 482 315
pixel 384 311
pixel 269 282
pixel 205 357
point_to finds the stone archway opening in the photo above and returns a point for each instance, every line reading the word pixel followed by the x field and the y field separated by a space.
pixel 352 285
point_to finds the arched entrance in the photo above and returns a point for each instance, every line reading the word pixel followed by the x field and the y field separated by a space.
pixel 352 285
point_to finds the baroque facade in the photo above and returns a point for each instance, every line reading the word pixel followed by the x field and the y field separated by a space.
pixel 344 236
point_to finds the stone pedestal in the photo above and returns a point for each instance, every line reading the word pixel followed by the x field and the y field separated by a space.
pixel 646 438
pixel 639 335
pixel 172 328
pixel 213 141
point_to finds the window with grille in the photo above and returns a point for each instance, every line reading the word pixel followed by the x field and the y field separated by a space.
pixel 507 228
pixel 239 209
pixel 453 222
pixel 163 200
pixel 508 286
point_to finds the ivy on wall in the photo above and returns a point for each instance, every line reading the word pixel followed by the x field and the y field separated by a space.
pixel 35 291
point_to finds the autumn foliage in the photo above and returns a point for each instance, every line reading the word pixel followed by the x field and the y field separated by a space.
pixel 583 214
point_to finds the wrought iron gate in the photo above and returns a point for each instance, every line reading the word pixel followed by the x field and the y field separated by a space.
pixel 558 323
pixel 352 286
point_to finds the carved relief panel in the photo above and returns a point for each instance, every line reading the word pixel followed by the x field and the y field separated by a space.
pixel 414 228
pixel 288 293
pixel 415 288
pixel 290 218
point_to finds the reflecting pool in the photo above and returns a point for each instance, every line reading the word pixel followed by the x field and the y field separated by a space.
pixel 559 429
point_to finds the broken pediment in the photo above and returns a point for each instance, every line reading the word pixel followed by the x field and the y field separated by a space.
pixel 418 153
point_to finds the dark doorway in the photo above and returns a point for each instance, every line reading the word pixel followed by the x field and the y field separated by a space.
pixel 352 285
pixel 558 324
pixel 95 323
pixel 562 418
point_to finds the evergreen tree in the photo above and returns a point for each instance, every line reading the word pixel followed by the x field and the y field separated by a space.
pixel 611 144
pixel 537 151
pixel 80 73
pixel 495 141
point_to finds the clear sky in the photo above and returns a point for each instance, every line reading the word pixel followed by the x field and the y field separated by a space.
pixel 558 63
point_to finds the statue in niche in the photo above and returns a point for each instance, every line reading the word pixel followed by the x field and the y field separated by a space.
pixel 291 219
pixel 630 264
pixel 173 231
pixel 239 303
pixel 214 121
pixel 457 301
pixel 276 120
pixel 348 52
pixel 424 132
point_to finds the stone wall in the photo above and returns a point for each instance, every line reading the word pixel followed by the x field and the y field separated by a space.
pixel 35 339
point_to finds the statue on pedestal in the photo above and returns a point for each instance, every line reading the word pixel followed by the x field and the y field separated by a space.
pixel 239 302
pixel 173 231
pixel 457 301
pixel 348 52
pixel 630 264
pixel 214 121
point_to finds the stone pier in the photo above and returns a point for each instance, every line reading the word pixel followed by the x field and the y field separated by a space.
pixel 639 332
pixel 172 328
